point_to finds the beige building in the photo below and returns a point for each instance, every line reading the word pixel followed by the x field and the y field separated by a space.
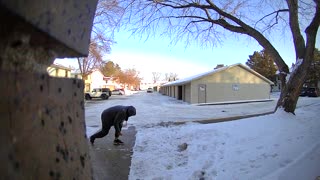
pixel 225 84
pixel 57 70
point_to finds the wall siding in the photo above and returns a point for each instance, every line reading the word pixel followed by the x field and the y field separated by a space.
pixel 219 92
pixel 187 95
pixel 234 84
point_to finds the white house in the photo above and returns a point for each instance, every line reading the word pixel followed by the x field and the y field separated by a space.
pixel 97 79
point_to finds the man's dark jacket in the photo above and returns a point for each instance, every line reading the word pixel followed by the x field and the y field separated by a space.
pixel 115 116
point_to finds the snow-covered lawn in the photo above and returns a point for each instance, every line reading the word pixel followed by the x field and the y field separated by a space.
pixel 276 146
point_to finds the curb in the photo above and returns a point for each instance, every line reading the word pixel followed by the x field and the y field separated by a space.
pixel 233 118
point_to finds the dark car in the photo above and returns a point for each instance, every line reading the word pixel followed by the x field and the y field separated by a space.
pixel 310 92
pixel 303 91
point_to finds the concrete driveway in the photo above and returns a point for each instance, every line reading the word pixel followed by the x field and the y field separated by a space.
pixel 110 161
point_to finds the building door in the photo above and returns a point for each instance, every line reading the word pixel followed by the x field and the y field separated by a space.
pixel 179 92
pixel 202 89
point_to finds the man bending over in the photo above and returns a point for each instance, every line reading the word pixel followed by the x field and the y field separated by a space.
pixel 114 116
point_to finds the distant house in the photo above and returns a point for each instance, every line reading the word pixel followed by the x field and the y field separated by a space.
pixel 113 83
pixel 57 70
pixel 276 87
pixel 229 83
pixel 95 79
pixel 76 74
pixel 277 84
pixel 144 85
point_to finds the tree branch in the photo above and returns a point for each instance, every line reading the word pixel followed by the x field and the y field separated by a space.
pixel 277 15
pixel 299 43
pixel 311 32
pixel 226 21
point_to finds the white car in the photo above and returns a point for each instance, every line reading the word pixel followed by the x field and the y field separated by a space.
pixel 103 93
pixel 149 90
pixel 117 92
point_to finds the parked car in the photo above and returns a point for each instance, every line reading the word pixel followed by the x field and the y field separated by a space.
pixel 149 90
pixel 103 93
pixel 303 91
pixel 118 92
pixel 310 92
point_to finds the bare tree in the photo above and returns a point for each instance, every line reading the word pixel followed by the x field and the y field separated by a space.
pixel 156 76
pixel 107 18
pixel 93 61
pixel 171 76
pixel 166 76
pixel 207 20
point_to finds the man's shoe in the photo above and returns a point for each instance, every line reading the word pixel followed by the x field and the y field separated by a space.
pixel 117 142
pixel 91 140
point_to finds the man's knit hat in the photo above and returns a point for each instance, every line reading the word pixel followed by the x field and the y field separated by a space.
pixel 131 111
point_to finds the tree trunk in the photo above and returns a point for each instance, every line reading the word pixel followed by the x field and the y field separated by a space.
pixel 304 54
pixel 291 90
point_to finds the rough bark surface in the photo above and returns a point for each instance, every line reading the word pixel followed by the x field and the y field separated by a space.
pixel 304 54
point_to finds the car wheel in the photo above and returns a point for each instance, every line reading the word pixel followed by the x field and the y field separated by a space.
pixel 103 96
pixel 87 97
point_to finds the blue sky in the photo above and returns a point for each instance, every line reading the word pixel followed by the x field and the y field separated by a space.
pixel 157 54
